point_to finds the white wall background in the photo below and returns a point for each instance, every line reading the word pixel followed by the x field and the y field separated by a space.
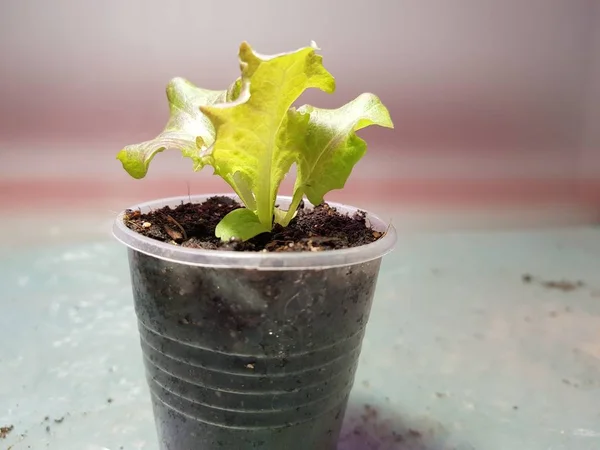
pixel 477 88
pixel 589 162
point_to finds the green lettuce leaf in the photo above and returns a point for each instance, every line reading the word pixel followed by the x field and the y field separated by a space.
pixel 241 224
pixel 254 146
pixel 187 130
pixel 328 147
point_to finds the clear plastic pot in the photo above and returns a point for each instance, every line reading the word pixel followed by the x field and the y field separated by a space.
pixel 250 350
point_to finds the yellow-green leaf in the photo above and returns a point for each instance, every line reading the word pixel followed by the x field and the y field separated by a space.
pixel 187 130
pixel 253 141
pixel 327 144
pixel 240 224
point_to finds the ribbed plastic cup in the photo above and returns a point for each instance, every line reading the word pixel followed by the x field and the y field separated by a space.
pixel 250 350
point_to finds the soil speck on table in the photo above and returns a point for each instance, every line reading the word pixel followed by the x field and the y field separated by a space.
pixel 5 431
pixel 193 225
pixel 372 429
pixel 60 420
pixel 565 286
pixel 561 285
pixel 414 433
pixel 570 383
pixel 109 400
pixel 370 413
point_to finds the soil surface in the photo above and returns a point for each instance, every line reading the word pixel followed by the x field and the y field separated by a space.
pixel 193 225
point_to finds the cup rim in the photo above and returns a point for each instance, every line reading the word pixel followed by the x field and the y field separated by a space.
pixel 254 260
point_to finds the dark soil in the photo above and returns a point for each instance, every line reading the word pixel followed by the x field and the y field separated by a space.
pixel 193 225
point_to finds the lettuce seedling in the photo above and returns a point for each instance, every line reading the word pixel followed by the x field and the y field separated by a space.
pixel 252 135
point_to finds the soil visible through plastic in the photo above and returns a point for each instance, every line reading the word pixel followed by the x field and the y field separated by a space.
pixel 193 225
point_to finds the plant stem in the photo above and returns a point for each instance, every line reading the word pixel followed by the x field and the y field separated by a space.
pixel 296 199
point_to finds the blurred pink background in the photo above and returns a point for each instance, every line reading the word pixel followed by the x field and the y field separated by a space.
pixel 496 103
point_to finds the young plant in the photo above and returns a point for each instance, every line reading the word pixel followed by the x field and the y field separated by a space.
pixel 251 135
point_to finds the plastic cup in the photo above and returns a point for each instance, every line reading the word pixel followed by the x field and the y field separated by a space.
pixel 250 350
